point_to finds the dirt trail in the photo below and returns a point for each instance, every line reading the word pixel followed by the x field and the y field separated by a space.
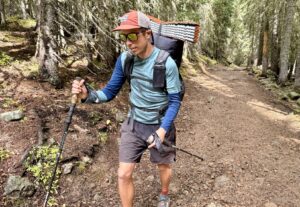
pixel 250 142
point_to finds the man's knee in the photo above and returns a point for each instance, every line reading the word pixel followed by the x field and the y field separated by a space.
pixel 125 172
pixel 164 167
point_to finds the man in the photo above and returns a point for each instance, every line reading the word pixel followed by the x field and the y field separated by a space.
pixel 152 111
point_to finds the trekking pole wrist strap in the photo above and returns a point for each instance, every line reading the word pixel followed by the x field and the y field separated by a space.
pixel 154 138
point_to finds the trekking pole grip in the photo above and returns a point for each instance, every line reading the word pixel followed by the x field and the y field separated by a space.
pixel 74 99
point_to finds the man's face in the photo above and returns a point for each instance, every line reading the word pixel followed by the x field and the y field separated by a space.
pixel 136 40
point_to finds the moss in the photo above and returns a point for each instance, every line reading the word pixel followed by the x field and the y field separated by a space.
pixel 13 38
pixel 207 60
pixel 98 64
pixel 31 70
pixel 15 201
pixel 95 117
pixel 296 110
pixel 81 166
pixel 9 102
pixel 4 154
pixel 27 23
pixel 17 23
pixel 4 59
pixel 103 137
pixel 256 70
pixel 13 18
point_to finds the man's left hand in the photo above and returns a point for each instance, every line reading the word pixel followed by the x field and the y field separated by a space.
pixel 161 134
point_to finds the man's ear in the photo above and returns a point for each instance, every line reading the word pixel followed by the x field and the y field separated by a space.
pixel 148 33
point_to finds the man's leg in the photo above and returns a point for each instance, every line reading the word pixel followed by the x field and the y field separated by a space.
pixel 126 187
pixel 165 173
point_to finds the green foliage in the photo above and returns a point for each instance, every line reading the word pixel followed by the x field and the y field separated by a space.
pixel 223 10
pixel 9 102
pixel 52 202
pixel 13 18
pixel 4 59
pixel 95 117
pixel 40 163
pixel 103 137
pixel 27 23
pixel 15 22
pixel 15 201
pixel 238 42
pixel 28 69
pixel 81 166
pixel 4 154
pixel 207 60
pixel 98 64
pixel 13 38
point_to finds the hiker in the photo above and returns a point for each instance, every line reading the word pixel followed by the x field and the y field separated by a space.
pixel 152 111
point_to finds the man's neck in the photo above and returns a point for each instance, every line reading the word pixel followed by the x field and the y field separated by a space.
pixel 147 52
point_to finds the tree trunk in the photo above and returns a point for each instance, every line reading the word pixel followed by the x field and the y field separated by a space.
pixel 260 46
pixel 297 71
pixel 89 55
pixel 47 54
pixel 11 8
pixel 286 41
pixel 23 9
pixel 265 48
pixel 31 10
pixel 275 52
pixel 88 47
pixel 2 13
pixel 251 55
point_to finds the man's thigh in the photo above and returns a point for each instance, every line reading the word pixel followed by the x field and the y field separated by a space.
pixel 132 146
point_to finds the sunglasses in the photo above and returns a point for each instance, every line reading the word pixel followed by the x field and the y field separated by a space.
pixel 131 36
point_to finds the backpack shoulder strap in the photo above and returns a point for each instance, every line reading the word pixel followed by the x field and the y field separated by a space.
pixel 162 57
pixel 128 65
pixel 159 70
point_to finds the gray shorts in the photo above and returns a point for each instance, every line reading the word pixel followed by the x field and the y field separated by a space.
pixel 133 143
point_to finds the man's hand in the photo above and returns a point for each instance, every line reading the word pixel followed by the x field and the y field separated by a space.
pixel 161 133
pixel 79 88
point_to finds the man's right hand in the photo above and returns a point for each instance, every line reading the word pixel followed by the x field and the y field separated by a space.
pixel 79 88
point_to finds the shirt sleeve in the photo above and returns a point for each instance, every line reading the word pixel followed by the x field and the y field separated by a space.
pixel 173 87
pixel 172 111
pixel 111 89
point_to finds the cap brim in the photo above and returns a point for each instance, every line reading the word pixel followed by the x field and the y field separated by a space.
pixel 125 27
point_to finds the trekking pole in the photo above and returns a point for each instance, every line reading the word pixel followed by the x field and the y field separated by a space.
pixel 169 144
pixel 67 124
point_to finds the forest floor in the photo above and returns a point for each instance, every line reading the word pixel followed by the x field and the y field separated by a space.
pixel 248 137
